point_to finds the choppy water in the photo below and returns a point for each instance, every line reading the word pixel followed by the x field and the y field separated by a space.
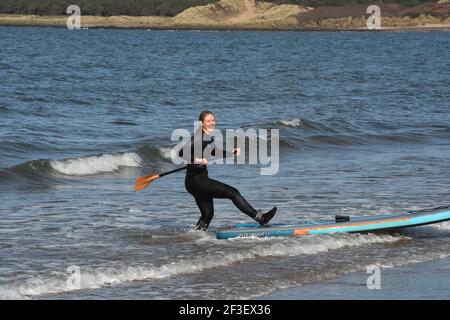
pixel 364 124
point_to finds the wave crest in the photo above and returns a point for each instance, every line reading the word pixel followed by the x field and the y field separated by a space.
pixel 96 164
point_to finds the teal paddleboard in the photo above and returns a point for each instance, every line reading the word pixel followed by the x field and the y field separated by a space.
pixel 340 225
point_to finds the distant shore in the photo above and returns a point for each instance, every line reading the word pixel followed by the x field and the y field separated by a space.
pixel 167 23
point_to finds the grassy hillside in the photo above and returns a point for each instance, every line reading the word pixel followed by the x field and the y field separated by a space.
pixel 340 3
pixel 154 7
pixel 228 14
pixel 100 7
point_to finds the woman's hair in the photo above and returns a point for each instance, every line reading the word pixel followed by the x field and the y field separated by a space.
pixel 203 115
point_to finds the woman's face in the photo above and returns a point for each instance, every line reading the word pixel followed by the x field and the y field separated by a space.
pixel 209 123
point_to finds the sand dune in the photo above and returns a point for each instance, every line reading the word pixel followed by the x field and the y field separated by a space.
pixel 247 13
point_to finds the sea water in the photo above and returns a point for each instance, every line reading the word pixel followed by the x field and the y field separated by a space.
pixel 364 122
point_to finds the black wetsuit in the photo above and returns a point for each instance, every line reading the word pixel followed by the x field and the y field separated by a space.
pixel 205 189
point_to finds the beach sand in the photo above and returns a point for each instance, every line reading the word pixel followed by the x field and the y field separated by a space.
pixel 422 281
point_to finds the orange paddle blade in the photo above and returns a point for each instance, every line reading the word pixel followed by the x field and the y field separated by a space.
pixel 142 182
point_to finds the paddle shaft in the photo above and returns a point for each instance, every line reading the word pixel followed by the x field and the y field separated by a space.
pixel 172 171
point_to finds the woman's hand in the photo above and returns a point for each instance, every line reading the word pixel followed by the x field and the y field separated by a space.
pixel 202 161
pixel 237 151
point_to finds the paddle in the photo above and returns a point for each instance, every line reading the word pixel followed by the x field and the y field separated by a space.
pixel 143 182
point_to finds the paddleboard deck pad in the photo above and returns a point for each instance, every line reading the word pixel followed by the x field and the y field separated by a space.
pixel 340 225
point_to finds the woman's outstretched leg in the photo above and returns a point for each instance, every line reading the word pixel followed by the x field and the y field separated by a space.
pixel 217 189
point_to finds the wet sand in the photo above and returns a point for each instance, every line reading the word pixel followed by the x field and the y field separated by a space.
pixel 423 281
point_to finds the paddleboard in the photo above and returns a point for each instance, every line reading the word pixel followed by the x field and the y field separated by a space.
pixel 340 225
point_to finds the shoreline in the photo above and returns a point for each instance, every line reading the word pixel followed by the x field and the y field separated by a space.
pixel 420 281
pixel 164 23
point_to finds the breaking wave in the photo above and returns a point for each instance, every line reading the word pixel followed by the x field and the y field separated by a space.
pixel 92 278
pixel 96 164
pixel 44 170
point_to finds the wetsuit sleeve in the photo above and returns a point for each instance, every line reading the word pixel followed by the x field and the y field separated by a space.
pixel 190 146
pixel 217 152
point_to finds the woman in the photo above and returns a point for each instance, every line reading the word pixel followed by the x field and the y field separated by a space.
pixel 205 189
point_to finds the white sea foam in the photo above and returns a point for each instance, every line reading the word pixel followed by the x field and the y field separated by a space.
pixel 169 153
pixel 295 123
pixel 443 225
pixel 433 230
pixel 92 278
pixel 96 164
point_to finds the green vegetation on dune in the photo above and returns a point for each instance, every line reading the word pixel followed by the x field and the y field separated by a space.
pixel 101 7
pixel 154 7
pixel 322 3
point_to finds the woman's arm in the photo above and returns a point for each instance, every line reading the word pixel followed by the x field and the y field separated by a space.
pixel 192 160
pixel 217 152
